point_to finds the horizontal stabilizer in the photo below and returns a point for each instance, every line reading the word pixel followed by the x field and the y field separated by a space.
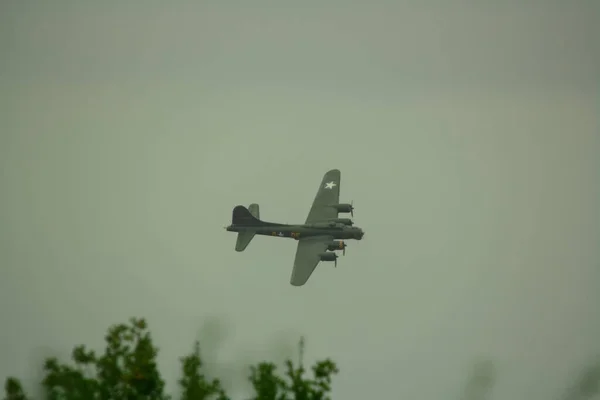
pixel 243 240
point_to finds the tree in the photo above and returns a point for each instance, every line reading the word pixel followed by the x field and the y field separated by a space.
pixel 269 386
pixel 194 385
pixel 127 370
pixel 14 390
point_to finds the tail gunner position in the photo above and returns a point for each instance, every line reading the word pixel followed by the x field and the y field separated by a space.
pixel 316 237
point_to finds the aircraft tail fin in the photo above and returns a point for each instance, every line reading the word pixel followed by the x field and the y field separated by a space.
pixel 243 216
pixel 243 240
pixel 246 217
pixel 254 210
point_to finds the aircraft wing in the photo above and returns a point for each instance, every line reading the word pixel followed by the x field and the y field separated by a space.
pixel 307 258
pixel 328 193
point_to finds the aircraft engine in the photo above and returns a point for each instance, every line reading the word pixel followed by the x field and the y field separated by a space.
pixel 345 208
pixel 343 221
pixel 327 256
pixel 337 245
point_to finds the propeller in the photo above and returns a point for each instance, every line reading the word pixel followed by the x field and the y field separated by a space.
pixel 352 208
pixel 335 260
pixel 342 245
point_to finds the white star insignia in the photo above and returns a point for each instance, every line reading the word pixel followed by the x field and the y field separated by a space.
pixel 330 185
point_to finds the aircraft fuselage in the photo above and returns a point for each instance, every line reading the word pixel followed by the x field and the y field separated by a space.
pixel 301 231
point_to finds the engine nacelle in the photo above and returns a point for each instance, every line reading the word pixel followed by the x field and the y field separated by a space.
pixel 326 224
pixel 343 207
pixel 328 256
pixel 336 245
pixel 343 221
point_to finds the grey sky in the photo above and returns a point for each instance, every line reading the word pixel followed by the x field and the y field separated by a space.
pixel 467 135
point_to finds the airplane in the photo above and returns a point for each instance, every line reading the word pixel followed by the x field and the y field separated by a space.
pixel 316 236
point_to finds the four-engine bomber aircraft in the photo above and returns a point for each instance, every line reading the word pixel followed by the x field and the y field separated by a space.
pixel 315 237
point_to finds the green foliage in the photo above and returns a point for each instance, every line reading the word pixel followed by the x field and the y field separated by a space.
pixel 194 385
pixel 13 390
pixel 127 370
pixel 269 386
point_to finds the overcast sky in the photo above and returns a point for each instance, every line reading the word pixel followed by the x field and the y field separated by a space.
pixel 467 135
